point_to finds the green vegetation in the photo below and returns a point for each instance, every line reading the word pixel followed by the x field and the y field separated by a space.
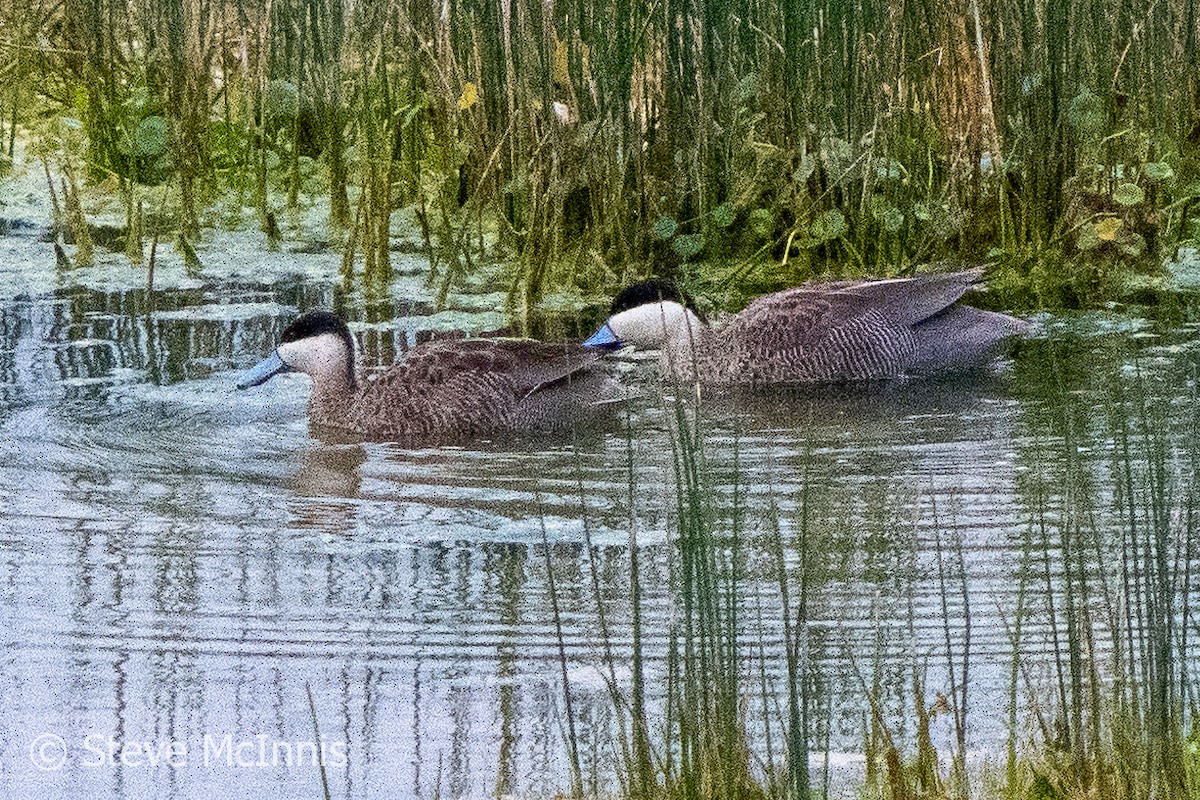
pixel 1120 718
pixel 1103 697
pixel 742 143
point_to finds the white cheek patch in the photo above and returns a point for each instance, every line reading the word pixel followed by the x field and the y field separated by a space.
pixel 650 325
pixel 320 355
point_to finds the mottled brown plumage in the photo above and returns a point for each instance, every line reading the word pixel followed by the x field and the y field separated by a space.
pixel 845 331
pixel 445 389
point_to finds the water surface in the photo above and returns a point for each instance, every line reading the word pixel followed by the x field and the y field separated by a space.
pixel 180 563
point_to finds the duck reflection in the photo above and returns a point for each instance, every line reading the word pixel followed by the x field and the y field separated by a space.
pixel 329 480
pixel 330 471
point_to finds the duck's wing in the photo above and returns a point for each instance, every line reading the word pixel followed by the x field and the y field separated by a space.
pixel 806 334
pixel 519 366
pixel 962 337
pixel 948 335
pixel 523 359
pixel 909 301
pixel 482 384
pixel 559 385
pixel 855 330
pixel 529 365
pixel 852 330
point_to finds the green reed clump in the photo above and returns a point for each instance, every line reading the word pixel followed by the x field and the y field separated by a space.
pixel 704 662
pixel 749 141
pixel 698 743
pixel 1111 575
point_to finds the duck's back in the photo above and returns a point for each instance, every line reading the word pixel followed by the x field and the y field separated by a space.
pixel 449 389
pixel 854 331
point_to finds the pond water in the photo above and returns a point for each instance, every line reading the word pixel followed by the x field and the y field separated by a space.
pixel 181 564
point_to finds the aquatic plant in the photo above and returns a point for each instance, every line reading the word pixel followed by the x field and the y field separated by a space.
pixel 749 142
pixel 1102 697
pixel 1106 574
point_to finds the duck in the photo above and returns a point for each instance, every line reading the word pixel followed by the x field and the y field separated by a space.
pixel 828 332
pixel 444 389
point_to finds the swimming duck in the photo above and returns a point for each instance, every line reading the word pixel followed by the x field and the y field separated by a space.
pixel 817 332
pixel 444 389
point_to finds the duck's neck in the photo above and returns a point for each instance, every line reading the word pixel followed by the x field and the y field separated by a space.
pixel 687 348
pixel 332 400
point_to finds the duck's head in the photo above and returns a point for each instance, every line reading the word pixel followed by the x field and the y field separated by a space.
pixel 317 344
pixel 648 314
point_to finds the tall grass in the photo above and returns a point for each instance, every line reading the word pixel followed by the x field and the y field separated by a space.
pixel 705 660
pixel 582 141
pixel 1102 694
pixel 1107 571
pixel 696 743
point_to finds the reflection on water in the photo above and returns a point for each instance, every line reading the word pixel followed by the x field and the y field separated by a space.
pixel 179 561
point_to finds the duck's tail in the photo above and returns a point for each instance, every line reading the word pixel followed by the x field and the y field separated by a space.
pixel 961 337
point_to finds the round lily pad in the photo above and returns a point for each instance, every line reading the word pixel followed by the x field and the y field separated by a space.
pixel 1086 113
pixel 828 225
pixel 150 137
pixel 762 222
pixel 664 227
pixel 1158 171
pixel 688 245
pixel 1129 194
pixel 723 215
